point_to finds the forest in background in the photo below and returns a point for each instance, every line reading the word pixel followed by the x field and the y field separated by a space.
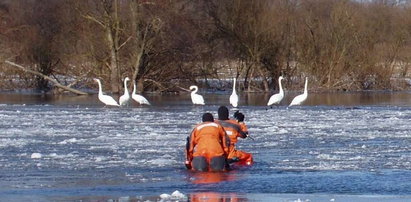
pixel 164 45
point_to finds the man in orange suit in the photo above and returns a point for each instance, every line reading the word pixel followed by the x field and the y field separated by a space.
pixel 234 129
pixel 207 146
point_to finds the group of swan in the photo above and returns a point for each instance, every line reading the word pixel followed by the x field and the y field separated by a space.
pixel 195 98
pixel 298 100
pixel 124 99
pixel 199 100
pixel 274 99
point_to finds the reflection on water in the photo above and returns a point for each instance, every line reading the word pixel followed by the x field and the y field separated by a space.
pixel 251 99
pixel 211 177
pixel 215 197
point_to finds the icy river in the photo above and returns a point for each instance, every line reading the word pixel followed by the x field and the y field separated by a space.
pixel 336 147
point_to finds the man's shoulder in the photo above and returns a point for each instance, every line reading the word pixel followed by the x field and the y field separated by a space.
pixel 207 124
pixel 233 121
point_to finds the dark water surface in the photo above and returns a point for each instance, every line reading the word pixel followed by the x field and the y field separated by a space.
pixel 336 147
pixel 246 99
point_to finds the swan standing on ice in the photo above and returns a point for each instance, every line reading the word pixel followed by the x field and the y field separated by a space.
pixel 276 98
pixel 106 99
pixel 234 96
pixel 298 100
pixel 125 98
pixel 139 98
pixel 196 98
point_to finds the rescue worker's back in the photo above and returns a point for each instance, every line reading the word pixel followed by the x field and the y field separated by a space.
pixel 207 147
pixel 207 139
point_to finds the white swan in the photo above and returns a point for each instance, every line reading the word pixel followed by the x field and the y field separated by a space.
pixel 276 98
pixel 298 100
pixel 196 98
pixel 125 98
pixel 234 96
pixel 106 99
pixel 139 98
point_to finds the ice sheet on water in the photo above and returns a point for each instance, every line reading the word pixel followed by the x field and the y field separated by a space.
pixel 142 142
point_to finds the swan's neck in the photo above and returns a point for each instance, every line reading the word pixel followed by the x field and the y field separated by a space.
pixel 100 90
pixel 305 86
pixel 125 87
pixel 281 87
pixel 195 90
pixel 234 85
pixel 134 89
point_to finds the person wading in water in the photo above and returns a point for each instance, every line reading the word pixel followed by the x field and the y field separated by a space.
pixel 234 129
pixel 207 146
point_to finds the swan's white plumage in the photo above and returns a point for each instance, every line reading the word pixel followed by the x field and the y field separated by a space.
pixel 139 98
pixel 125 98
pixel 234 96
pixel 276 98
pixel 106 99
pixel 196 98
pixel 298 100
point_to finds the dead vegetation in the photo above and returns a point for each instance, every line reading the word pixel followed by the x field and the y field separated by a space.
pixel 167 45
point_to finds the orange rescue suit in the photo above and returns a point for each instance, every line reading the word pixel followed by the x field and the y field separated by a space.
pixel 207 139
pixel 235 130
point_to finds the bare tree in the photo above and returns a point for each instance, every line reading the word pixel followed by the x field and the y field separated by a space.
pixel 105 13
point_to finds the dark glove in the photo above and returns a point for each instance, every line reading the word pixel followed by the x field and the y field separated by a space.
pixel 233 160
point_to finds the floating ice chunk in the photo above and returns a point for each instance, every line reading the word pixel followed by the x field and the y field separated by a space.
pixel 99 159
pixel 36 156
pixel 71 140
pixel 165 196
pixel 178 195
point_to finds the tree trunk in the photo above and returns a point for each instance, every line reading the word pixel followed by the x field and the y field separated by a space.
pixel 114 78
pixel 140 85
pixel 113 38
pixel 264 79
pixel 139 43
pixel 249 87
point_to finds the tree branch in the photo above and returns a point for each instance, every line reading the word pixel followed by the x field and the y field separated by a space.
pixel 95 20
pixel 55 82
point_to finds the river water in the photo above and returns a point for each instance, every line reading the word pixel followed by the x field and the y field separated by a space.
pixel 336 147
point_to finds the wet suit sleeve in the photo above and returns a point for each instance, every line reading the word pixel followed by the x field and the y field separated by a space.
pixel 189 149
pixel 236 126
pixel 244 128
pixel 224 140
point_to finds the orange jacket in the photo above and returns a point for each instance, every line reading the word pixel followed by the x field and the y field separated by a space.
pixel 207 139
pixel 233 129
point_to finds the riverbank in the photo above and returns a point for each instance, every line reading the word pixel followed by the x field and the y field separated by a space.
pixel 214 86
pixel 359 98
